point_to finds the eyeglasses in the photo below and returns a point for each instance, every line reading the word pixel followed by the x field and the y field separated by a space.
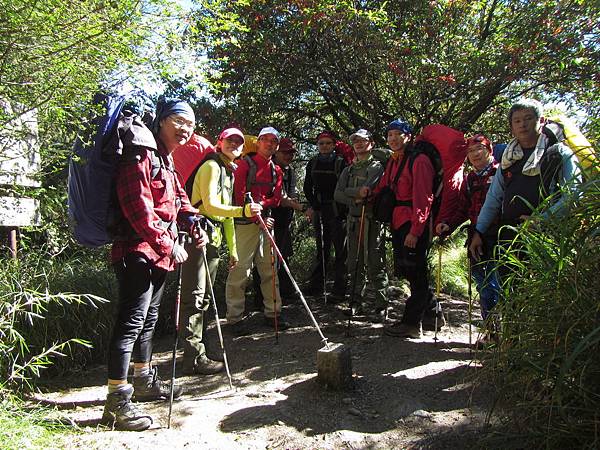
pixel 325 143
pixel 180 122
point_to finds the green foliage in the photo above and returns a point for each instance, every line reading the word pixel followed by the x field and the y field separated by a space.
pixel 39 319
pixel 454 266
pixel 307 64
pixel 23 428
pixel 56 52
pixel 547 367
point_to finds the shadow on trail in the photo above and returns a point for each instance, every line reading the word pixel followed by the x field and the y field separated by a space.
pixel 416 374
pixel 311 409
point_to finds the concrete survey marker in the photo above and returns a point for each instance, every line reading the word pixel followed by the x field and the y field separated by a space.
pixel 334 366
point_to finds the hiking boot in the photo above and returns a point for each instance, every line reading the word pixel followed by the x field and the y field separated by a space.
pixel 486 341
pixel 282 324
pixel 403 330
pixel 240 328
pixel 218 357
pixel 356 309
pixel 380 314
pixel 428 321
pixel 121 414
pixel 205 366
pixel 149 388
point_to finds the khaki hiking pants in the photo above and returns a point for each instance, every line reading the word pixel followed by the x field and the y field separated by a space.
pixel 253 248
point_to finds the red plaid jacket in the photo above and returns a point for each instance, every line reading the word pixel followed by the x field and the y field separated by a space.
pixel 149 204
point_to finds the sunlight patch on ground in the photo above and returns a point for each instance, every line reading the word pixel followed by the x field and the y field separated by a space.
pixel 458 387
pixel 429 369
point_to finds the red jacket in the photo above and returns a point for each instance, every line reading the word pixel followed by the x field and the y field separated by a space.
pixel 262 189
pixel 472 196
pixel 148 204
pixel 415 186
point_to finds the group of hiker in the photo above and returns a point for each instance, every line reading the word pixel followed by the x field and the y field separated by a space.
pixel 232 197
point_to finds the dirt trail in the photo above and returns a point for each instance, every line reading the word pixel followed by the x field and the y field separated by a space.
pixel 407 393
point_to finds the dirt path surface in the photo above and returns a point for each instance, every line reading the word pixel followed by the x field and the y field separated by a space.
pixel 407 393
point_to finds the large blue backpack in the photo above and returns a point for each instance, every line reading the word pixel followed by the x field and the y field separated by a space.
pixel 94 211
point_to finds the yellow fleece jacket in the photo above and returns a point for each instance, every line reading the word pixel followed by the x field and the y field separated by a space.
pixel 216 201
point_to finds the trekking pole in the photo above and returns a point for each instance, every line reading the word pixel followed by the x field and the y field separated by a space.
pixel 358 248
pixel 273 283
pixel 217 320
pixel 470 293
pixel 289 274
pixel 323 257
pixel 438 289
pixel 181 239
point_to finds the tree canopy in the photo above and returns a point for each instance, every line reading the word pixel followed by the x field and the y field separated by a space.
pixel 340 64
pixel 55 54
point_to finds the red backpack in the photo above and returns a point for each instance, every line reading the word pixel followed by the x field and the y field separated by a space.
pixel 447 150
pixel 188 157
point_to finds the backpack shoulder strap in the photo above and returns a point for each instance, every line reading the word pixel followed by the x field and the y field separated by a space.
pixel 273 176
pixel 157 163
pixel 214 156
pixel 337 168
pixel 554 131
pixel 312 164
pixel 251 176
pixel 403 162
pixel 551 166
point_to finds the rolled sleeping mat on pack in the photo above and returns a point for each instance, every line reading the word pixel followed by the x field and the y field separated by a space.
pixel 566 131
pixel 250 145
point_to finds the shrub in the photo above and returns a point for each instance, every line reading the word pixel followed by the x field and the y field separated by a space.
pixel 547 366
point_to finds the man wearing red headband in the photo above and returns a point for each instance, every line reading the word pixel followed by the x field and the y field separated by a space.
pixel 328 217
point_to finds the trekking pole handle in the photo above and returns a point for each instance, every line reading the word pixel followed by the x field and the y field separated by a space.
pixel 181 237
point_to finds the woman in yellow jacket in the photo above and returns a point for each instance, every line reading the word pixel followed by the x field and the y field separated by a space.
pixel 212 193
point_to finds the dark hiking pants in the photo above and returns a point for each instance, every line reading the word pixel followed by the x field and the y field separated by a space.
pixel 141 286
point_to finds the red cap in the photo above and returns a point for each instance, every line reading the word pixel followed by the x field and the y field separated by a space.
pixel 479 139
pixel 286 146
pixel 228 132
pixel 326 134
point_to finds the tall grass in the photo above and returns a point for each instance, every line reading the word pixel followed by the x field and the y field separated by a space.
pixel 39 320
pixel 547 367
pixel 454 264
pixel 29 428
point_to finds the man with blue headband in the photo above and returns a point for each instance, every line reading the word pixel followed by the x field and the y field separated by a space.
pixel 155 207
